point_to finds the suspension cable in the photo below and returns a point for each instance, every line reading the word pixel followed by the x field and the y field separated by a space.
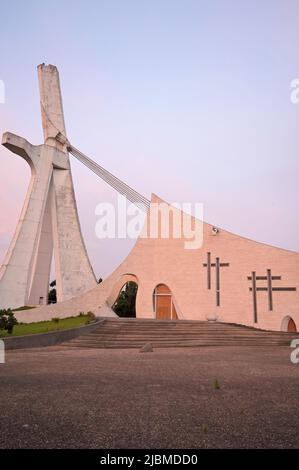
pixel 113 181
pixel 136 198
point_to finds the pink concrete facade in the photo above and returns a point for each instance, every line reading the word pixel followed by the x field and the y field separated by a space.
pixel 191 275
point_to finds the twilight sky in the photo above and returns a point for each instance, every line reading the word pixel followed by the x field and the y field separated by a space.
pixel 188 99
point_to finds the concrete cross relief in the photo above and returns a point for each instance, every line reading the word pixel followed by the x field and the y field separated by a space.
pixel 49 220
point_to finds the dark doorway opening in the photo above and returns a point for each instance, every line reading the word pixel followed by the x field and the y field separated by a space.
pixel 125 305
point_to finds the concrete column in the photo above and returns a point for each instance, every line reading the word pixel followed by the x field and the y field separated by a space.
pixel 51 105
pixel 74 274
pixel 49 217
pixel 18 269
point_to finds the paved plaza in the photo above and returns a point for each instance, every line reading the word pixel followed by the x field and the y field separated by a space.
pixel 175 398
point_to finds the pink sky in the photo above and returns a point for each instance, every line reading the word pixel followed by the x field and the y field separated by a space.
pixel 190 103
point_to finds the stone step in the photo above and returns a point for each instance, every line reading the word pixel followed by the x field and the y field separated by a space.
pixel 183 335
pixel 124 345
pixel 206 327
pixel 150 332
pixel 175 344
pixel 177 327
pixel 187 336
pixel 175 341
pixel 134 333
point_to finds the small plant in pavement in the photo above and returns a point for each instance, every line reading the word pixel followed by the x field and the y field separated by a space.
pixel 216 384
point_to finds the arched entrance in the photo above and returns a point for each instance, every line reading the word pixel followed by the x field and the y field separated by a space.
pixel 163 303
pixel 292 325
pixel 125 304
pixel 289 325
pixel 122 298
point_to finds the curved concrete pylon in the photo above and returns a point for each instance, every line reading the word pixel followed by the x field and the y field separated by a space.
pixel 24 278
pixel 214 280
pixel 49 217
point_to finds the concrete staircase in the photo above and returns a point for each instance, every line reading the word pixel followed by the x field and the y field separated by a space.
pixel 126 333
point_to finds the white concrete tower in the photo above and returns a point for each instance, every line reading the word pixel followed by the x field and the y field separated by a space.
pixel 49 219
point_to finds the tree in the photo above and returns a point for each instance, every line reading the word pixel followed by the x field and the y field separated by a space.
pixel 125 304
pixel 7 320
pixel 52 295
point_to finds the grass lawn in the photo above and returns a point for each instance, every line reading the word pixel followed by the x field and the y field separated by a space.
pixel 45 326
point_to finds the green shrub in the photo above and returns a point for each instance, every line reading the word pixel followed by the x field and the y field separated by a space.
pixel 56 319
pixel 7 320
pixel 91 315
pixel 90 318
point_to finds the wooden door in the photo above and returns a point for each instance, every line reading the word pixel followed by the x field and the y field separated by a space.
pixel 292 326
pixel 164 307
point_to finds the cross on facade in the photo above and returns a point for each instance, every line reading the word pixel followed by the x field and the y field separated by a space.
pixel 269 289
pixel 218 265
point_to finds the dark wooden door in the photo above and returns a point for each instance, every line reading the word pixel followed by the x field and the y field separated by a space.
pixel 292 326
